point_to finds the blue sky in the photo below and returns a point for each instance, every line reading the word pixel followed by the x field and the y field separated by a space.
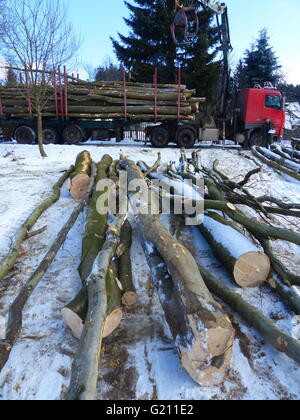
pixel 97 20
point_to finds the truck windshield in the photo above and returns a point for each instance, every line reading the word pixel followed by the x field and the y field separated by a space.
pixel 274 102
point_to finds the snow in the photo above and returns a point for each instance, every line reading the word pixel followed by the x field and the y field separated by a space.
pixel 139 361
pixel 292 115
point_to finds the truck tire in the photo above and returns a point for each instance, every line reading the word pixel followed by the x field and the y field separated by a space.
pixel 24 135
pixel 74 134
pixel 159 137
pixel 50 136
pixel 186 137
pixel 257 139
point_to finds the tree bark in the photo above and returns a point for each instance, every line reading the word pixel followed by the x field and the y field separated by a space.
pixel 85 366
pixel 129 297
pixel 8 262
pixel 207 319
pixel 40 134
pixel 280 341
pixel 248 266
pixel 80 176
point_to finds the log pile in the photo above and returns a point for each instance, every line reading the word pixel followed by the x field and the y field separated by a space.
pixel 107 100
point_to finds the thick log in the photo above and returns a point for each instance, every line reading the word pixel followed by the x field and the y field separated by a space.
pixel 81 175
pixel 279 151
pixel 85 366
pixel 8 262
pixel 280 341
pixel 292 152
pixel 180 323
pixel 248 266
pixel 96 224
pixel 14 324
pixel 275 165
pixel 129 296
pixel 75 313
pixel 208 321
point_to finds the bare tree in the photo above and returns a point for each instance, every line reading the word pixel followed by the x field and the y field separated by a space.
pixel 39 37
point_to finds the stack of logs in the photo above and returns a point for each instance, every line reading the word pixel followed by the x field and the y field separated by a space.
pixel 106 100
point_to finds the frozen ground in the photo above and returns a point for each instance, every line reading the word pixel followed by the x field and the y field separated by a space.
pixel 139 360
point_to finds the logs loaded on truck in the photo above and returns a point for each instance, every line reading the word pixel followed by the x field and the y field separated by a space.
pixel 75 111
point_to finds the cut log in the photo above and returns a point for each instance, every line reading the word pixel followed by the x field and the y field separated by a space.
pixel 249 266
pixel 80 176
pixel 211 327
pixel 74 313
pixel 279 159
pixel 181 325
pixel 14 324
pixel 292 152
pixel 275 165
pixel 8 262
pixel 129 296
pixel 86 363
pixel 280 341
pixel 96 224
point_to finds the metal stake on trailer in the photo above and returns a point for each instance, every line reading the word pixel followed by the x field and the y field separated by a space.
pixel 179 93
pixel 66 91
pixel 125 94
pixel 55 93
pixel 155 77
pixel 60 93
pixel 28 93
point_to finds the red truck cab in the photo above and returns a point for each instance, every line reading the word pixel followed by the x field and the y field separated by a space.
pixel 252 107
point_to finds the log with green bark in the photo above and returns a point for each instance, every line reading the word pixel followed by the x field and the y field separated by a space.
pixel 129 296
pixel 79 178
pixel 213 333
pixel 8 262
pixel 292 152
pixel 86 363
pixel 14 324
pixel 179 322
pixel 279 159
pixel 275 165
pixel 246 263
pixel 280 341
pixel 74 313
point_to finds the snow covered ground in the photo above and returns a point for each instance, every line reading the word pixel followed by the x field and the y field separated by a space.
pixel 292 115
pixel 139 360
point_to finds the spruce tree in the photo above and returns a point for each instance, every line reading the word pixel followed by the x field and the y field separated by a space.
pixel 260 64
pixel 150 45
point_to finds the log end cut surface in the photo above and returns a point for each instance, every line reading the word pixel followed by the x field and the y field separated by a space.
pixel 252 269
pixel 79 186
pixel 72 321
pixel 129 299
pixel 112 322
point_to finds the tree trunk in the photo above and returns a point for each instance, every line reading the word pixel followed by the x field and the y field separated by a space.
pixel 8 262
pixel 212 330
pixel 40 134
pixel 85 366
pixel 275 165
pixel 181 325
pixel 80 176
pixel 249 266
pixel 129 297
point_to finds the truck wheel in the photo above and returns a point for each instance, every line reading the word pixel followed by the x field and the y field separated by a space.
pixel 186 137
pixel 74 134
pixel 257 139
pixel 50 136
pixel 24 135
pixel 159 137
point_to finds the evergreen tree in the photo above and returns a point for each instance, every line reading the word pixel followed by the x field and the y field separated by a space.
pixel 11 78
pixel 150 45
pixel 259 65
pixel 109 72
